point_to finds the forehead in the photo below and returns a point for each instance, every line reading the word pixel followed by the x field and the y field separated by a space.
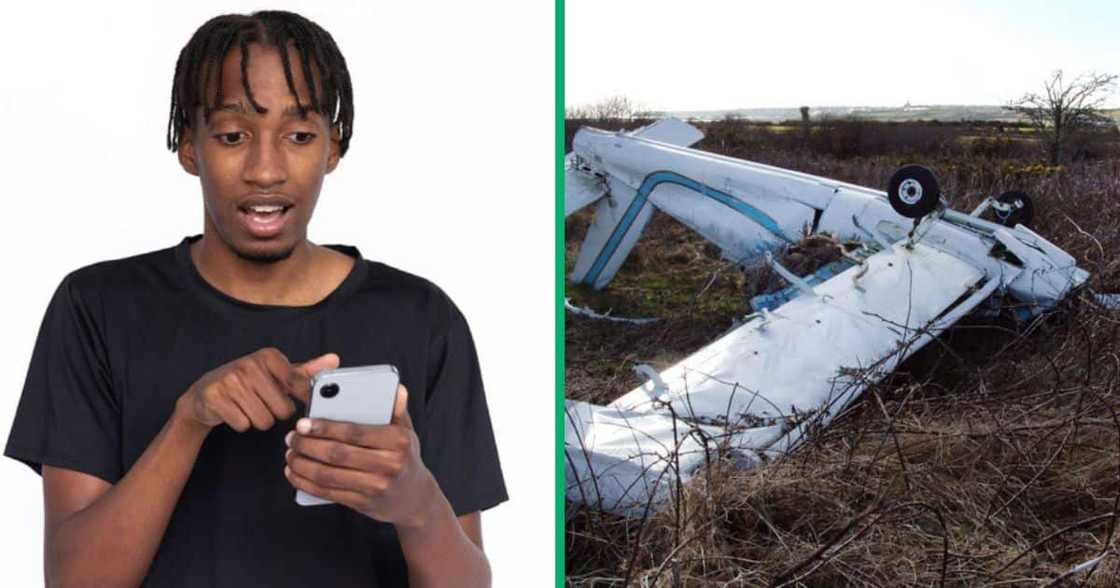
pixel 266 80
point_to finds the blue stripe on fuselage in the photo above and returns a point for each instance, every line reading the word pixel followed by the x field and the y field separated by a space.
pixel 657 178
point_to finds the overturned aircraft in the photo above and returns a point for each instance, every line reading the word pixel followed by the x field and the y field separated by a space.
pixel 808 351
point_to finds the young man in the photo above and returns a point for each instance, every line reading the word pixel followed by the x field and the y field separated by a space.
pixel 162 404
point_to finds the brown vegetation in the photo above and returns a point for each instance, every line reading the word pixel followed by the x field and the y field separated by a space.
pixel 853 137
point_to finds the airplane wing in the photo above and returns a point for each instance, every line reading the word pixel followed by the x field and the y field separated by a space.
pixel 755 391
pixel 626 462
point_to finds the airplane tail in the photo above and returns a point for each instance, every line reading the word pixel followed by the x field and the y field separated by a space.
pixel 583 186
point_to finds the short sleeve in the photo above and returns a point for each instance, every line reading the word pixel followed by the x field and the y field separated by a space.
pixel 458 444
pixel 67 414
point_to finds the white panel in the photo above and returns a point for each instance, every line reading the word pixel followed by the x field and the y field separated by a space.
pixel 671 130
pixel 625 462
pixel 739 236
pixel 580 190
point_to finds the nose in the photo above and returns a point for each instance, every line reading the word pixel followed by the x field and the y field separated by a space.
pixel 266 165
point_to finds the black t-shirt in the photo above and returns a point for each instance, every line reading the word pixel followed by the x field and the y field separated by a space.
pixel 123 339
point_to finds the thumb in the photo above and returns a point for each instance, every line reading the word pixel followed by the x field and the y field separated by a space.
pixel 400 408
pixel 313 366
pixel 300 377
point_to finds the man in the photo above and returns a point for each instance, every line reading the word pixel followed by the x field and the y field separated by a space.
pixel 162 404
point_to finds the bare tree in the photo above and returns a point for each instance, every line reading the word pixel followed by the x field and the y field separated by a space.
pixel 614 107
pixel 618 107
pixel 579 111
pixel 1065 108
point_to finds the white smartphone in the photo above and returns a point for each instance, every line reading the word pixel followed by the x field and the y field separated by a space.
pixel 360 394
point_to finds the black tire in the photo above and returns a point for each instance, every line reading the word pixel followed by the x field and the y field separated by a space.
pixel 1022 215
pixel 913 191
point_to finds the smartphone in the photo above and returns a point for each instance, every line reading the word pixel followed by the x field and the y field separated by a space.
pixel 360 394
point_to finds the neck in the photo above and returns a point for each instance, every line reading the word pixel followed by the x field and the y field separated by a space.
pixel 288 281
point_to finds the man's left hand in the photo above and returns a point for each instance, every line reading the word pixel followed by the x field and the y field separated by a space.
pixel 373 469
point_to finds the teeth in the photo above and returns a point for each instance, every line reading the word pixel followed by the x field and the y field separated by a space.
pixel 266 209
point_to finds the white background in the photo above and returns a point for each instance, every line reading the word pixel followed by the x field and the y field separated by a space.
pixel 449 176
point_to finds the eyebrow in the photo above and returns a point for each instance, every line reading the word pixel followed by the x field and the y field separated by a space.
pixel 239 107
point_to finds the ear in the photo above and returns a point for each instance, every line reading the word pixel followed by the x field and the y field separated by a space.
pixel 187 156
pixel 335 149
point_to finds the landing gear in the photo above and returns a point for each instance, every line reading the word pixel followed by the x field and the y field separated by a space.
pixel 1017 209
pixel 913 191
pixel 1010 209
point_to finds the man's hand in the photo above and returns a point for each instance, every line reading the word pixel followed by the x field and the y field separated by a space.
pixel 251 391
pixel 373 469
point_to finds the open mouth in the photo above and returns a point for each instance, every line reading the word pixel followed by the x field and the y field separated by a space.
pixel 264 220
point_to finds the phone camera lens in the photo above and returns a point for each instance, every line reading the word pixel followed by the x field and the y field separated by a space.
pixel 329 391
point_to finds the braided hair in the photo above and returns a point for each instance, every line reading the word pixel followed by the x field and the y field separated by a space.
pixel 214 39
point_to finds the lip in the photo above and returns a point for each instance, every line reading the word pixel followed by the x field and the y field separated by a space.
pixel 265 230
pixel 264 200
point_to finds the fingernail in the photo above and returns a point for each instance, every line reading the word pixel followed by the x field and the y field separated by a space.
pixel 287 471
pixel 287 454
pixel 288 438
pixel 304 426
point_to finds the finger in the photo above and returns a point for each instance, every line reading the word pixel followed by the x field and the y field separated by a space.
pixel 250 403
pixel 391 437
pixel 271 391
pixel 340 454
pixel 233 416
pixel 274 366
pixel 344 497
pixel 299 376
pixel 231 413
pixel 336 478
pixel 400 408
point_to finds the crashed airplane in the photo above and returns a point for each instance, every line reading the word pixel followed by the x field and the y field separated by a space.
pixel 806 352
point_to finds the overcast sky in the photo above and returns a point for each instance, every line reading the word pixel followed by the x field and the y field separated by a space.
pixel 707 54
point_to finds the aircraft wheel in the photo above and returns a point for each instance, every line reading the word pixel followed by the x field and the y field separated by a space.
pixel 913 191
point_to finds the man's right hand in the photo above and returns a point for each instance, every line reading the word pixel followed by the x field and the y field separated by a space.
pixel 251 391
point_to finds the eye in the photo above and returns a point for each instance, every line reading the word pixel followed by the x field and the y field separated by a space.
pixel 220 137
pixel 309 137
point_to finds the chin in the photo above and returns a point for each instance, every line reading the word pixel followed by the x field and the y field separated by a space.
pixel 264 251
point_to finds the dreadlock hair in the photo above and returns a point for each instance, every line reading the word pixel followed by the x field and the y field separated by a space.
pixel 213 40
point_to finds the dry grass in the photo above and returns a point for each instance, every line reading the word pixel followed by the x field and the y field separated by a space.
pixel 991 457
